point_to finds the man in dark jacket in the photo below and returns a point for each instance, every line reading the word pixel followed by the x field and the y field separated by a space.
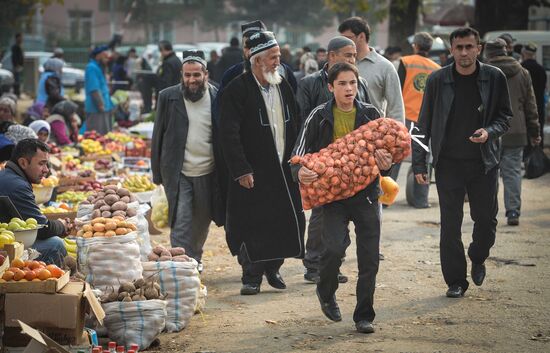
pixel 524 124
pixel 465 111
pixel 17 62
pixel 28 165
pixel 230 56
pixel 327 123
pixel 182 154
pixel 538 78
pixel 258 128
pixel 169 72
pixel 313 91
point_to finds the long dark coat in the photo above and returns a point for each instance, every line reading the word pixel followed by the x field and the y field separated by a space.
pixel 267 219
pixel 168 147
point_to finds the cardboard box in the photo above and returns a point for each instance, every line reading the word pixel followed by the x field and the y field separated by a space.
pixel 60 316
pixel 47 286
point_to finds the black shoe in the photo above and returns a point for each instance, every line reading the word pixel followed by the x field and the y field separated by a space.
pixel 364 326
pixel 478 273
pixel 330 308
pixel 513 218
pixel 250 289
pixel 455 291
pixel 342 278
pixel 381 257
pixel 311 275
pixel 275 280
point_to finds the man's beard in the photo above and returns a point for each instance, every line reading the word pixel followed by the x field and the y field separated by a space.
pixel 194 94
pixel 273 78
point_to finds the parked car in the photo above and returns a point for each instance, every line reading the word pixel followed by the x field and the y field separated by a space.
pixel 6 81
pixel 71 78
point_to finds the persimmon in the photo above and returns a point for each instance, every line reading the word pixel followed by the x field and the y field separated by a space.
pixel 56 272
pixel 44 274
pixel 30 275
pixel 18 263
pixel 8 275
pixel 18 275
pixel 34 265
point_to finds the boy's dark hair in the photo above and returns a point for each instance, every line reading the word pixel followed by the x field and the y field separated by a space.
pixel 165 45
pixel 337 68
pixel 27 148
pixel 464 32
pixel 321 50
pixel 356 25
pixel 234 42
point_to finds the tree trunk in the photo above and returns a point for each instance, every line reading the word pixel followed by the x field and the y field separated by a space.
pixel 403 16
pixel 493 15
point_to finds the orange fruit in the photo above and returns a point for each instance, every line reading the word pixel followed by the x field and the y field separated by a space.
pixel 34 265
pixel 18 275
pixel 44 274
pixel 13 269
pixel 8 275
pixel 30 275
pixel 55 271
pixel 42 263
pixel 18 263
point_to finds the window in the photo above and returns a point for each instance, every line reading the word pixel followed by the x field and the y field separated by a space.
pixel 80 26
pixel 160 31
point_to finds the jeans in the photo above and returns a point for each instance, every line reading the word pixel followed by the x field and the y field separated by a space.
pixel 455 178
pixel 52 250
pixel 193 214
pixel 510 171
pixel 365 215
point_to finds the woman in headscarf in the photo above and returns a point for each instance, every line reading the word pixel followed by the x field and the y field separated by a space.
pixel 42 129
pixel 10 134
pixel 50 87
pixel 7 109
pixel 64 123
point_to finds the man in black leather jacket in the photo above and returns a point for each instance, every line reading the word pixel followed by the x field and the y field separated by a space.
pixel 465 110
pixel 312 92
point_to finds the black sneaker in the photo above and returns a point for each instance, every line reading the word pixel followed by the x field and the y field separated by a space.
pixel 455 291
pixel 250 289
pixel 513 218
pixel 364 326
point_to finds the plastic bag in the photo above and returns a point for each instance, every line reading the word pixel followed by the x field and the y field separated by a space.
pixel 181 284
pixel 142 225
pixel 159 214
pixel 137 322
pixel 536 163
pixel 108 262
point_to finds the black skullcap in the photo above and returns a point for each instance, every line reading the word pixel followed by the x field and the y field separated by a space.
pixel 261 41
pixel 254 26
pixel 193 55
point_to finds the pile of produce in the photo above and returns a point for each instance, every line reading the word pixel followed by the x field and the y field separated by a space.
pixel 111 201
pixel 74 197
pixel 159 214
pixel 6 236
pixel 62 208
pixel 70 246
pixel 50 181
pixel 93 147
pixel 347 165
pixel 24 271
pixel 103 165
pixel 17 224
pixel 160 253
pixel 138 290
pixel 106 227
pixel 138 183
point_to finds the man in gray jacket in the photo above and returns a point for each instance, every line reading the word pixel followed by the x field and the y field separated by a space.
pixel 312 92
pixel 524 123
pixel 182 154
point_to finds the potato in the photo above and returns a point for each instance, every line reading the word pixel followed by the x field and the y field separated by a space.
pixel 165 253
pixel 106 214
pixel 79 233
pixel 98 220
pixel 177 251
pixel 96 213
pixel 85 202
pixel 87 228
pixel 122 295
pixel 111 199
pixel 132 227
pixel 117 218
pixel 110 192
pixel 105 208
pixel 110 233
pixel 98 227
pixel 181 258
pixel 126 287
pixel 99 203
pixel 131 212
pixel 132 198
pixel 123 192
pixel 152 257
pixel 165 258
pixel 87 235
pixel 159 249
pixel 119 206
pixel 110 225
pixel 125 199
pixel 110 187
pixel 119 214
pixel 99 234
pixel 121 231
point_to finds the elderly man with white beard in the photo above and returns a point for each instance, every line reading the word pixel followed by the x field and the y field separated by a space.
pixel 258 128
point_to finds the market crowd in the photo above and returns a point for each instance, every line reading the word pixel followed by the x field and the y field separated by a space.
pixel 225 130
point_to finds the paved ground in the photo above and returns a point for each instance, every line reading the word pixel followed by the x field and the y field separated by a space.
pixel 509 313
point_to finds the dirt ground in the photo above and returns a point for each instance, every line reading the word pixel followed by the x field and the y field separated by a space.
pixel 509 313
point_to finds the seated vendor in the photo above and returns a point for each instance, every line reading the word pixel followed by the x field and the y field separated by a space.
pixel 27 166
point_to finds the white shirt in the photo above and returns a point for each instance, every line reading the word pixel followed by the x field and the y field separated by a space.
pixel 199 153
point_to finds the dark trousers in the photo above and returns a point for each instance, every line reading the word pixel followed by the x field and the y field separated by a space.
pixel 314 243
pixel 365 215
pixel 17 77
pixel 254 271
pixel 455 178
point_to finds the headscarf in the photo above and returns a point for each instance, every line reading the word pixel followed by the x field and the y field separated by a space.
pixel 36 110
pixel 65 108
pixel 8 102
pixel 39 125
pixel 55 65
pixel 18 132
